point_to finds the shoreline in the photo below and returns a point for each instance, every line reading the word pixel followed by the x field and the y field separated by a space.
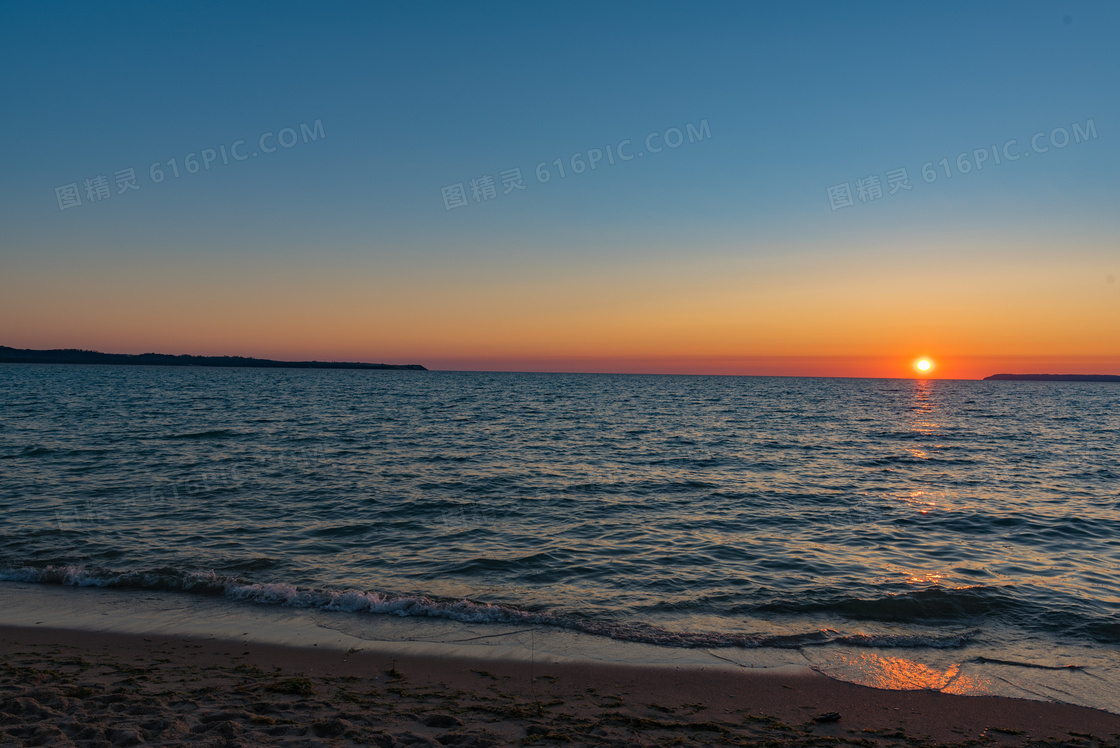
pixel 86 662
pixel 62 684
pixel 1080 678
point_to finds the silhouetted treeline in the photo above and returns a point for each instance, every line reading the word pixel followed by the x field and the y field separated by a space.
pixel 1056 377
pixel 76 356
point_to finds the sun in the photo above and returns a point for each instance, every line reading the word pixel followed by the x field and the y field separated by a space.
pixel 923 365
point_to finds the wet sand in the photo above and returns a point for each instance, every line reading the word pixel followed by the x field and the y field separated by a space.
pixel 68 687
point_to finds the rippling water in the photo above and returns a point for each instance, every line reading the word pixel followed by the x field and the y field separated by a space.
pixel 688 511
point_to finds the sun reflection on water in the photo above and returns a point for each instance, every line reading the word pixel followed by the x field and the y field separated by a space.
pixel 901 674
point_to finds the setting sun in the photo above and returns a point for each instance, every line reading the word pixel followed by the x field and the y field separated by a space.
pixel 923 365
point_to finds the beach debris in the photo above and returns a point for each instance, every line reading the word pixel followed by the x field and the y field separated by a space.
pixel 827 717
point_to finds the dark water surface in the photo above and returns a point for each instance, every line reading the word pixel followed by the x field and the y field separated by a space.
pixel 686 511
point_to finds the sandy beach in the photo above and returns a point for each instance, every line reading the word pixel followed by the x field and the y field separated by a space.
pixel 66 687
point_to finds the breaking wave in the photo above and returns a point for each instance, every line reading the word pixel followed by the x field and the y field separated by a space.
pixel 212 584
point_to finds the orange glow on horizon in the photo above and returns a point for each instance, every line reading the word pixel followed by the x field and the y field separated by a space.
pixel 732 314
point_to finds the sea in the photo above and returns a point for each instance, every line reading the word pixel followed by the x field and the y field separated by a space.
pixel 961 536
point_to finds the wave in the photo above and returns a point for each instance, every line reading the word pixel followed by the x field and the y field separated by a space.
pixel 1035 665
pixel 212 584
pixel 934 605
pixel 211 434
pixel 35 451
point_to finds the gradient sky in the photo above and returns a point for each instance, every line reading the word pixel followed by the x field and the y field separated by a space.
pixel 723 255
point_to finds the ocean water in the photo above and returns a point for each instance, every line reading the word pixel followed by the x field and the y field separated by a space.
pixel 957 535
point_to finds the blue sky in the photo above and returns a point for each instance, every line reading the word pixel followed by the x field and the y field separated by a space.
pixel 414 97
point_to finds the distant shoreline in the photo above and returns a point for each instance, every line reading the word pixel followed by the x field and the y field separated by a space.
pixel 77 356
pixel 1053 378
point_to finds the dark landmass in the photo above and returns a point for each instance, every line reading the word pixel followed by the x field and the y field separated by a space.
pixel 75 356
pixel 1055 377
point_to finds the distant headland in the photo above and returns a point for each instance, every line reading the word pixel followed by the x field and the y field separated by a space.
pixel 1055 377
pixel 75 356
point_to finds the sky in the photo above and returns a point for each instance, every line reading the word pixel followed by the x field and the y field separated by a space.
pixel 821 189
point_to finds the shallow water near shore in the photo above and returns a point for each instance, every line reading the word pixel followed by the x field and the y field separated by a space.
pixel 962 536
